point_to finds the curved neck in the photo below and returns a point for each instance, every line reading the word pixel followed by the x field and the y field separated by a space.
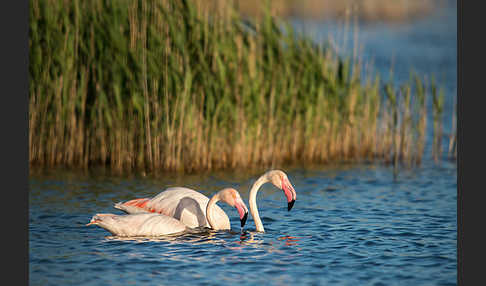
pixel 253 206
pixel 209 210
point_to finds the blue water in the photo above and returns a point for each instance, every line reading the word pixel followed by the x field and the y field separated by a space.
pixel 350 225
pixel 426 46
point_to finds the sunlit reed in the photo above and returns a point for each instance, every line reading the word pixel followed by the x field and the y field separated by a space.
pixel 169 85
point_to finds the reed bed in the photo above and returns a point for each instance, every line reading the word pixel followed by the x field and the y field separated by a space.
pixel 172 85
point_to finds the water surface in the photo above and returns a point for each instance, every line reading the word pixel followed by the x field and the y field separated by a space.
pixel 427 46
pixel 350 225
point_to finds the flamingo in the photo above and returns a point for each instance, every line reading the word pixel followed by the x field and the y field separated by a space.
pixel 280 180
pixel 187 205
pixel 155 224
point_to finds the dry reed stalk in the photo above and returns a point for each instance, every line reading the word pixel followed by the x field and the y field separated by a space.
pixel 32 126
pixel 57 128
pixel 148 137
pixel 453 134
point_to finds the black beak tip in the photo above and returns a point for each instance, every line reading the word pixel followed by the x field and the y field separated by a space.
pixel 290 205
pixel 243 220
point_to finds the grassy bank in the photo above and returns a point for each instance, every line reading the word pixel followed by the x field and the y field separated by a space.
pixel 368 10
pixel 169 85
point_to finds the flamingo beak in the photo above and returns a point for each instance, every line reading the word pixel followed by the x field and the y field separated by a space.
pixel 290 205
pixel 289 193
pixel 242 211
pixel 243 220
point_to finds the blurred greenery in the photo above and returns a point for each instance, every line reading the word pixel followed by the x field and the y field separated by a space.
pixel 174 85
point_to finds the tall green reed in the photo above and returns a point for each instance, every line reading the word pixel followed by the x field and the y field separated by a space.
pixel 170 85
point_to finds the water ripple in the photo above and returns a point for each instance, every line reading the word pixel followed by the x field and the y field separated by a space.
pixel 364 231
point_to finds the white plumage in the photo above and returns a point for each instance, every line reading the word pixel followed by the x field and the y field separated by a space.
pixel 188 206
pixel 141 224
pixel 184 204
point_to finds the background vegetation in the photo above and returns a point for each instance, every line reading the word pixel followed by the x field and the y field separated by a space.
pixel 365 10
pixel 175 85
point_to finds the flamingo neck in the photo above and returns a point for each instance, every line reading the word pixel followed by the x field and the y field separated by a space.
pixel 209 211
pixel 253 206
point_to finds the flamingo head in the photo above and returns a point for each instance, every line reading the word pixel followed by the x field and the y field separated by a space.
pixel 280 180
pixel 232 197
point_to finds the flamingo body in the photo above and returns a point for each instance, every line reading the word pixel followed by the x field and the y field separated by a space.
pixel 141 224
pixel 183 204
pixel 155 224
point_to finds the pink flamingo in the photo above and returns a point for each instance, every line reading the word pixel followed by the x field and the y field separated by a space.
pixel 188 206
pixel 155 224
pixel 280 180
